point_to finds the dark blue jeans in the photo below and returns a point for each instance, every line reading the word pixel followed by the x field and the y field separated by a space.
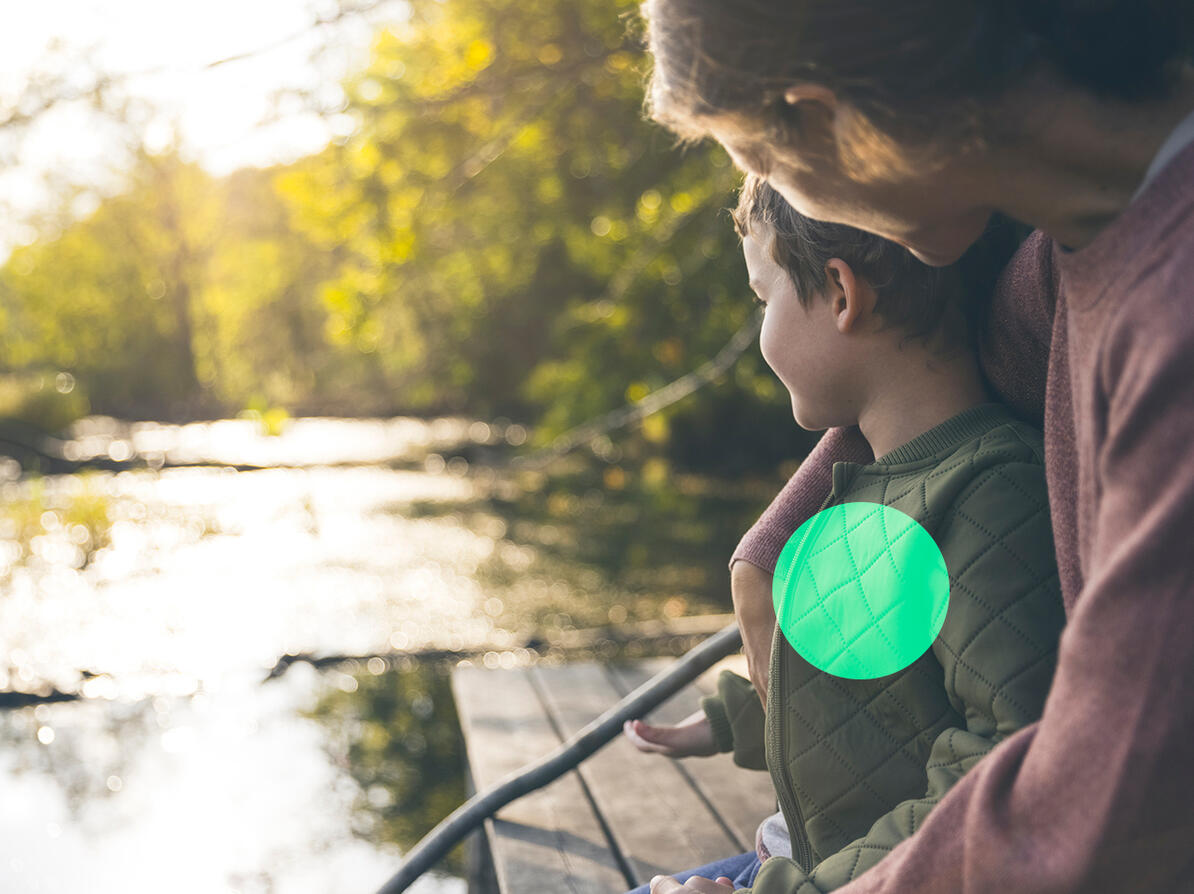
pixel 742 869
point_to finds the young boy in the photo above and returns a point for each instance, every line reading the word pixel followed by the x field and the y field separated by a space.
pixel 863 334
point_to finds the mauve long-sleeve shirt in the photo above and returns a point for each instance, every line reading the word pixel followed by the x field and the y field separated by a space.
pixel 1098 795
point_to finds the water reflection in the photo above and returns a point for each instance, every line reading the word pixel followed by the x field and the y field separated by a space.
pixel 179 764
pixel 85 752
pixel 397 734
pixel 227 791
pixel 595 543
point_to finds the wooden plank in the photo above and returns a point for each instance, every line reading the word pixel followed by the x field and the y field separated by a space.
pixel 743 798
pixel 659 821
pixel 548 840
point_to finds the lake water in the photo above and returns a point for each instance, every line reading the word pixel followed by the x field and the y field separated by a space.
pixel 165 595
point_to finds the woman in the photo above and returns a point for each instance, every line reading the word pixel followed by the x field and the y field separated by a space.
pixel 917 121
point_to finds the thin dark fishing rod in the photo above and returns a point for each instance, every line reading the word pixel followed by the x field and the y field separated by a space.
pixel 485 804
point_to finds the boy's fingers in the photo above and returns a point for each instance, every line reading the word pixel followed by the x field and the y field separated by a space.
pixel 663 884
pixel 634 729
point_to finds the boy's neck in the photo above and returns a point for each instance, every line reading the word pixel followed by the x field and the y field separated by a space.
pixel 918 398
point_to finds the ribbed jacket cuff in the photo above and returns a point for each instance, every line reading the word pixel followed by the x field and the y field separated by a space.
pixel 761 548
pixel 719 720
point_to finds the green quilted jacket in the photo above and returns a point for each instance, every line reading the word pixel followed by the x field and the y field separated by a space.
pixel 858 764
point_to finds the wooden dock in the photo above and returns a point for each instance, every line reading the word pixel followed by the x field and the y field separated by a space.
pixel 624 816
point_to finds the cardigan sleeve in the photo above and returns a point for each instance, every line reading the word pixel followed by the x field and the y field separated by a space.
pixel 801 497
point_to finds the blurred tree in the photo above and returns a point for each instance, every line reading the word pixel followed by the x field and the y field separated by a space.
pixel 184 295
pixel 502 233
pixel 512 235
pixel 109 299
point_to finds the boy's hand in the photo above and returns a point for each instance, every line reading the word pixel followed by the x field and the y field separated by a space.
pixel 751 589
pixel 665 884
pixel 691 737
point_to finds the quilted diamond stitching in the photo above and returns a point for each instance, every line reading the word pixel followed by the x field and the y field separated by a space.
pixel 908 750
pixel 857 578
pixel 848 581
pixel 1036 514
pixel 992 465
pixel 875 622
pixel 958 579
pixel 878 724
pixel 821 597
pixel 998 616
pixel 807 572
pixel 968 457
pixel 863 709
pixel 910 822
pixel 1003 684
pixel 819 604
pixel 961 662
pixel 884 552
pixel 822 809
pixel 857 857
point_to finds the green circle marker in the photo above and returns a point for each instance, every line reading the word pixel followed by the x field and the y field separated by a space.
pixel 861 590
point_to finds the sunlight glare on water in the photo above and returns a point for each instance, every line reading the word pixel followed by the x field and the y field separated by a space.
pixel 164 594
pixel 181 765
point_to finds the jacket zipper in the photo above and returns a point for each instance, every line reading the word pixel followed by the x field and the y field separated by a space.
pixel 802 849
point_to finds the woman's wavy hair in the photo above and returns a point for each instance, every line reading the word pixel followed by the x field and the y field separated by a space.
pixel 915 68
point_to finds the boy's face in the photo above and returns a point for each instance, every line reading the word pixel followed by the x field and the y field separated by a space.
pixel 802 345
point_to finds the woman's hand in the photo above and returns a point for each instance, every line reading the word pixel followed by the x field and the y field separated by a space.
pixel 691 737
pixel 751 589
pixel 665 884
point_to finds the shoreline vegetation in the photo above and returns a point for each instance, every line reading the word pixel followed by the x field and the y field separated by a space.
pixel 532 250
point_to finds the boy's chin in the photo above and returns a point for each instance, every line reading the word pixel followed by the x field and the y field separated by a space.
pixel 810 420
pixel 805 421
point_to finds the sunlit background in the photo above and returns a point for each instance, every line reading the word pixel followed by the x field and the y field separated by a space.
pixel 286 288
pixel 220 80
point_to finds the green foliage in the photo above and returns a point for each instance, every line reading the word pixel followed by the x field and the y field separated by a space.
pixel 93 301
pixel 76 519
pixel 49 401
pixel 503 232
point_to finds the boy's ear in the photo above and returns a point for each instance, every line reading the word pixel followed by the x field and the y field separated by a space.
pixel 852 300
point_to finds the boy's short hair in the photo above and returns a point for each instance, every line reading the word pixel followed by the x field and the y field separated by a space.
pixel 910 295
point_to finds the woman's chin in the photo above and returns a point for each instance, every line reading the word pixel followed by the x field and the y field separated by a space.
pixel 944 244
pixel 935 257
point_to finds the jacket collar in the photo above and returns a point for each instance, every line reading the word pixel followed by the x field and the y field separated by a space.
pixel 948 435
